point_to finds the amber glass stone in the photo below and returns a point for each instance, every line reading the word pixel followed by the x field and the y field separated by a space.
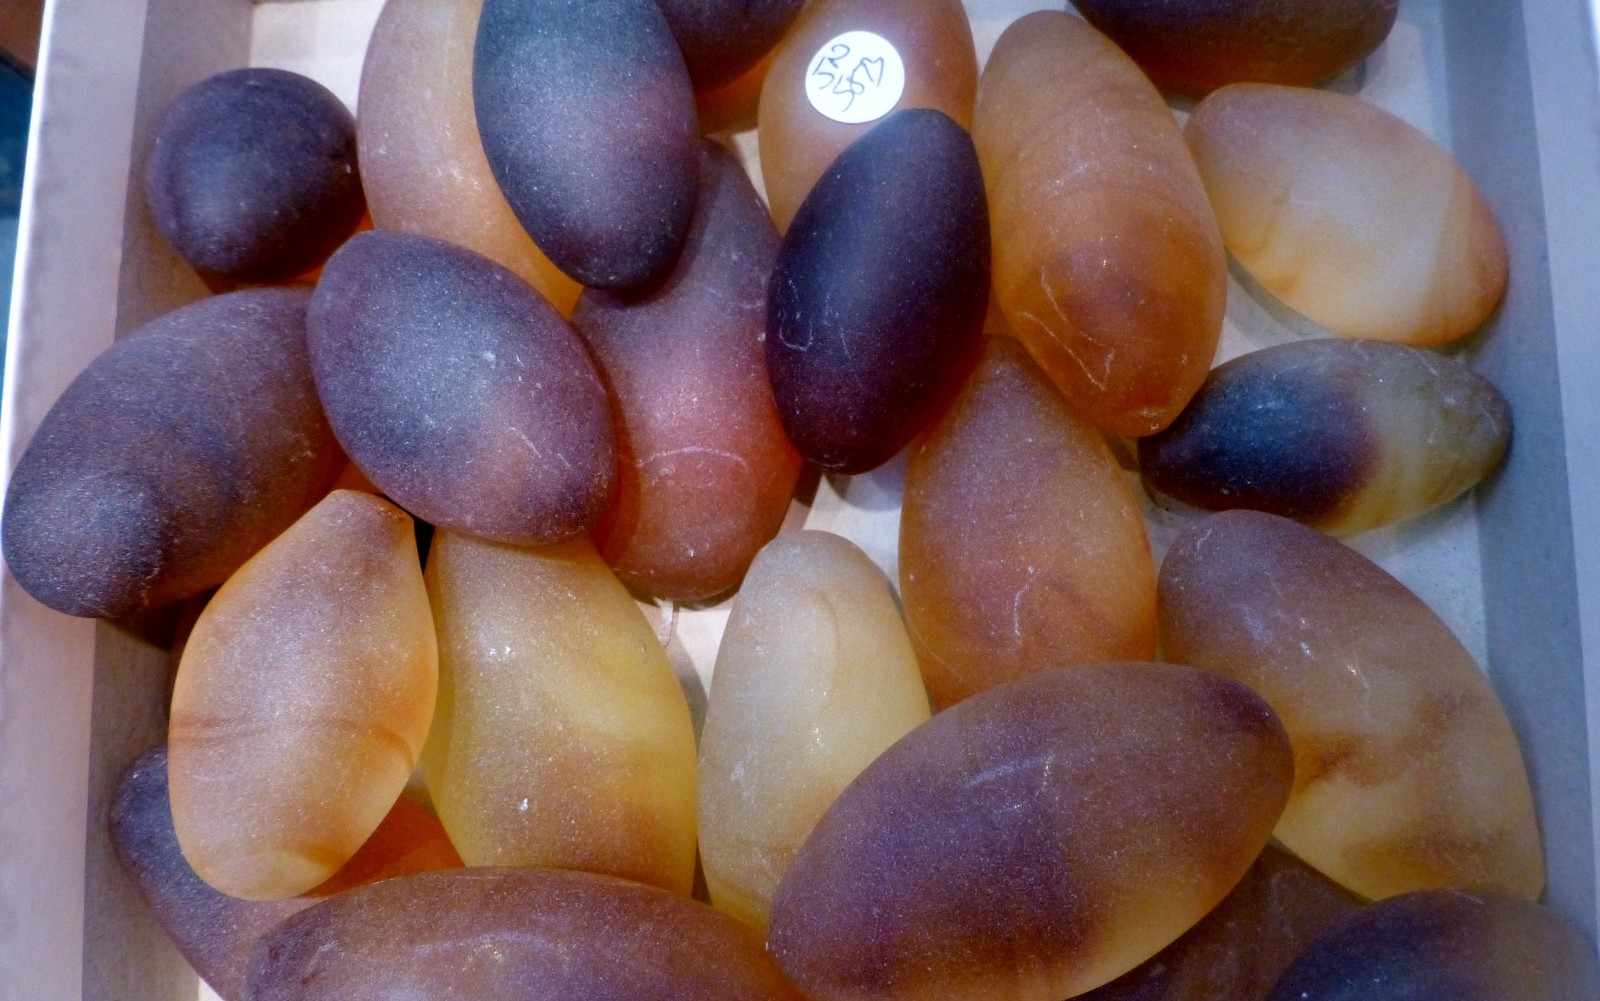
pixel 562 736
pixel 1022 547
pixel 1107 259
pixel 814 679
pixel 302 700
pixel 1407 773
pixel 1348 214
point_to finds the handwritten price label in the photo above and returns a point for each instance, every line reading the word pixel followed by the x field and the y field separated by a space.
pixel 856 77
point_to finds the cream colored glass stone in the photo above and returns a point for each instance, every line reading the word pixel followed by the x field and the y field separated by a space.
pixel 814 679
pixel 1347 214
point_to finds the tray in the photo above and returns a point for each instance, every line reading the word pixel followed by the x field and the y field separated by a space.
pixel 1515 569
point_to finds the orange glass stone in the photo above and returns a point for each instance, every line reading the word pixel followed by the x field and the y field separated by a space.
pixel 1108 263
pixel 1021 545
pixel 302 701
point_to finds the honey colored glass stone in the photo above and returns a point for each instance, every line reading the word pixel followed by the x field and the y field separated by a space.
pixel 1198 45
pixel 1341 435
pixel 1407 773
pixel 1347 214
pixel 459 391
pixel 562 736
pixel 421 159
pixel 1447 945
pixel 1240 949
pixel 213 931
pixel 1021 546
pixel 814 679
pixel 704 470
pixel 587 117
pixel 1107 260
pixel 1035 841
pixel 179 452
pixel 508 934
pixel 302 701
pixel 934 41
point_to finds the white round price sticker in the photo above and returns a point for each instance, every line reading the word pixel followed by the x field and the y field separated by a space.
pixel 855 77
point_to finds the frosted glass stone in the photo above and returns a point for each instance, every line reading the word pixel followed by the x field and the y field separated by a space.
pixel 1347 214
pixel 562 736
pixel 512 933
pixel 1036 840
pixel 1341 435
pixel 704 470
pixel 302 701
pixel 1107 259
pixel 814 679
pixel 1022 547
pixel 1407 773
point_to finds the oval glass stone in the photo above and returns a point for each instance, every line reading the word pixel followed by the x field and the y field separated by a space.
pixel 1199 45
pixel 421 158
pixel 933 40
pixel 721 39
pixel 505 933
pixel 253 175
pixel 1036 840
pixel 173 457
pixel 213 931
pixel 1447 945
pixel 588 122
pixel 302 701
pixel 1347 214
pixel 1407 773
pixel 704 470
pixel 878 296
pixel 562 736
pixel 814 679
pixel 1344 436
pixel 1107 259
pixel 1021 546
pixel 459 391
